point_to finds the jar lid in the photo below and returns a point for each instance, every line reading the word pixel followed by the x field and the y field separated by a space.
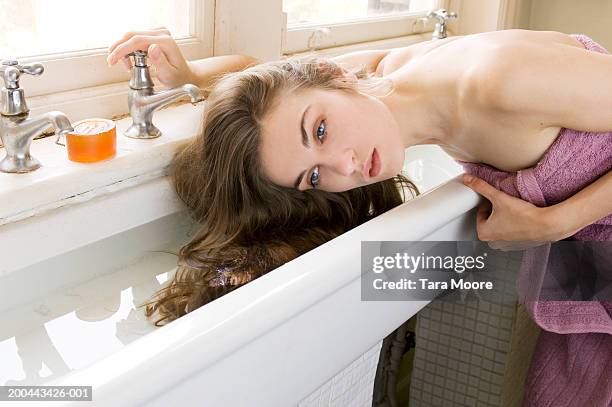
pixel 91 127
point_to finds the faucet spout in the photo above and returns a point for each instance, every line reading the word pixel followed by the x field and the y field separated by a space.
pixel 32 127
pixel 17 134
pixel 160 99
pixel 60 122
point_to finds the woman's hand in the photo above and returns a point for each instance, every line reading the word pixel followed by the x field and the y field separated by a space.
pixel 165 55
pixel 509 223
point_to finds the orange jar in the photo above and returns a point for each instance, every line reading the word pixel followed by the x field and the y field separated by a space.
pixel 92 140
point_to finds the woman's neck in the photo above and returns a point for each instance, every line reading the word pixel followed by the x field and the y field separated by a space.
pixel 423 118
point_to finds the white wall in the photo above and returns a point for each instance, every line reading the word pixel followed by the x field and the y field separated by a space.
pixel 590 17
pixel 474 16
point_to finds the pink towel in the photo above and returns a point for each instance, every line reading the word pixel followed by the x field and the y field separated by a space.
pixel 572 362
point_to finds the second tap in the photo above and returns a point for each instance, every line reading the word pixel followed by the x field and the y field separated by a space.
pixel 143 100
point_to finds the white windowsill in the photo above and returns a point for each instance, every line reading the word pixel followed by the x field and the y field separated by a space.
pixel 380 44
pixel 60 182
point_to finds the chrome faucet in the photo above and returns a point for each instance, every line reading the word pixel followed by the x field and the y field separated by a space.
pixel 143 100
pixel 17 130
pixel 442 15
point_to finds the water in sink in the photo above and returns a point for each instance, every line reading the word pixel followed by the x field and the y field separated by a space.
pixel 72 310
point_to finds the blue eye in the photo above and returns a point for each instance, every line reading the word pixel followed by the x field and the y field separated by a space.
pixel 314 178
pixel 321 129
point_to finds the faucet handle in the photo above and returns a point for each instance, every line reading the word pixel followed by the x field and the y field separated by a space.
pixel 140 57
pixel 140 77
pixel 11 70
pixel 442 15
pixel 11 95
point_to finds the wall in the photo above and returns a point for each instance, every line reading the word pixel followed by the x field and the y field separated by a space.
pixel 474 16
pixel 590 17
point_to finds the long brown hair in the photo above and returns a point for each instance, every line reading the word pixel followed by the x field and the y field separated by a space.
pixel 248 225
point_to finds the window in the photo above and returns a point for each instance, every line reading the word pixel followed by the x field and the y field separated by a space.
pixel 326 11
pixel 327 23
pixel 73 35
pixel 38 27
pixel 70 37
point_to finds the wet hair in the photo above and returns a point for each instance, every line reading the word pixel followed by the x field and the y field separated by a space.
pixel 247 225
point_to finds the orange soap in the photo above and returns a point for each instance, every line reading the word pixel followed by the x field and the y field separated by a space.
pixel 92 140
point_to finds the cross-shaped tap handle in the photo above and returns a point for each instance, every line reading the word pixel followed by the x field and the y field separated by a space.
pixel 442 15
pixel 11 70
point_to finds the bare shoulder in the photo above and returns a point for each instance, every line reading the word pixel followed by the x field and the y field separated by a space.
pixel 394 59
pixel 514 36
pixel 497 50
pixel 504 53
pixel 400 57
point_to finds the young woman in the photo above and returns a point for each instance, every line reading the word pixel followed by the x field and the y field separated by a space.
pixel 294 152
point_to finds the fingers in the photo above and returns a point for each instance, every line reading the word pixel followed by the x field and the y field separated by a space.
pixel 482 187
pixel 158 58
pixel 127 63
pixel 483 229
pixel 139 42
pixel 484 211
pixel 128 35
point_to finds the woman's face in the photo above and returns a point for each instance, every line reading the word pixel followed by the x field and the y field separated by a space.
pixel 342 131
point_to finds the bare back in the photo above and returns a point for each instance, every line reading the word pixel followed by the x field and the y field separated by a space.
pixel 479 133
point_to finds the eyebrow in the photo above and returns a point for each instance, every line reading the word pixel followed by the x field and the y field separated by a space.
pixel 305 143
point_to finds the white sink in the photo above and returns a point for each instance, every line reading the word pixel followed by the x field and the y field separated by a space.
pixel 71 277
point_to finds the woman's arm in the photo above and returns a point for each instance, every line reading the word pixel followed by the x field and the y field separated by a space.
pixel 372 59
pixel 205 71
pixel 172 69
pixel 583 208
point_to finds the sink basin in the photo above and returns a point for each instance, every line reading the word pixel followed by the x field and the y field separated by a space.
pixel 72 278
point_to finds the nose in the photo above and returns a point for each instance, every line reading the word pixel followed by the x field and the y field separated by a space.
pixel 346 162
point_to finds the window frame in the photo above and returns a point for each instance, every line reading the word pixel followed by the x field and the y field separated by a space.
pixel 221 27
pixel 300 38
pixel 91 69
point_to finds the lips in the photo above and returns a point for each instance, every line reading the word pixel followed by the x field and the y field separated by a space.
pixel 372 167
pixel 375 164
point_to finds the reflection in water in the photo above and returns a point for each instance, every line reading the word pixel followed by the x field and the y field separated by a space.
pixel 135 324
pixel 68 311
pixel 56 341
pixel 34 349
